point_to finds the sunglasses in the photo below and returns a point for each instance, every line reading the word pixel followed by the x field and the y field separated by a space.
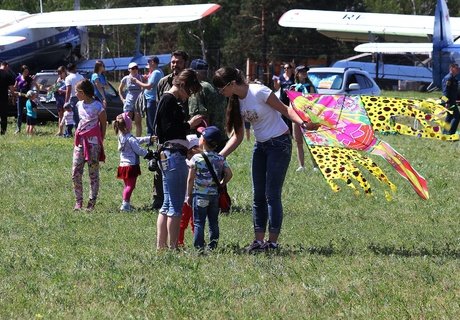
pixel 221 90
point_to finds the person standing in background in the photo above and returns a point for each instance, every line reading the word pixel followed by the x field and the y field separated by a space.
pixel 24 83
pixel 207 102
pixel 71 93
pixel 283 83
pixel 129 90
pixel 99 82
pixel 449 90
pixel 58 90
pixel 6 83
pixel 305 86
pixel 150 91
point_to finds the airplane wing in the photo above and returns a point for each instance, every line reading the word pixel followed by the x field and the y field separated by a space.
pixel 5 40
pixel 360 26
pixel 119 16
pixel 394 47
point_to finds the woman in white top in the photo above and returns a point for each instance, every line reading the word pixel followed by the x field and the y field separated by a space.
pixel 257 104
pixel 129 90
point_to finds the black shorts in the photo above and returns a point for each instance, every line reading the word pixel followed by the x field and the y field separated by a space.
pixel 31 121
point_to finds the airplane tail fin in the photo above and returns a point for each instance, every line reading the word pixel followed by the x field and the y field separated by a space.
pixel 442 38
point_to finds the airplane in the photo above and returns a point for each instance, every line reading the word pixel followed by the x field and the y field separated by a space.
pixel 45 40
pixel 390 34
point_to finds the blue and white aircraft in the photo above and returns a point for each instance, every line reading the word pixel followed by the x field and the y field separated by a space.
pixel 390 34
pixel 45 40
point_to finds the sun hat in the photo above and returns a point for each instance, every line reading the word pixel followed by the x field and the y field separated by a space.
pixel 132 65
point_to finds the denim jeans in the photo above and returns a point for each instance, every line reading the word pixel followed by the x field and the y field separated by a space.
pixel 205 206
pixel 174 171
pixel 76 118
pixel 20 106
pixel 150 118
pixel 270 161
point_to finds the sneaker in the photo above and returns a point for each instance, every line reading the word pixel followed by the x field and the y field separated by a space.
pixel 78 206
pixel 255 246
pixel 91 204
pixel 300 169
pixel 268 245
pixel 126 207
pixel 316 169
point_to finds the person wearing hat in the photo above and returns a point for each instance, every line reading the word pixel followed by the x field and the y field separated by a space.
pixel 304 85
pixel 202 190
pixel 207 102
pixel 6 84
pixel 129 90
pixel 150 90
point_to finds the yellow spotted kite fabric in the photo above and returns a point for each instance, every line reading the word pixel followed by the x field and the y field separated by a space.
pixel 413 117
pixel 346 130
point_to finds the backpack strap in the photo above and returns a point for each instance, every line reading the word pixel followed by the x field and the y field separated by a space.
pixel 211 169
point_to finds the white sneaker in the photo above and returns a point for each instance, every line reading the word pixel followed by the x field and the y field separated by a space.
pixel 316 169
pixel 300 169
pixel 126 207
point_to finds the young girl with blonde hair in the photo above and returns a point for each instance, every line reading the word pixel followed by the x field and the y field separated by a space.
pixel 130 150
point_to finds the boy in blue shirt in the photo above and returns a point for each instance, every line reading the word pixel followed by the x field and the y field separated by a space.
pixel 202 190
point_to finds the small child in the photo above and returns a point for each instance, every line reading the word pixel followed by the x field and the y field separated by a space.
pixel 31 108
pixel 130 150
pixel 187 213
pixel 67 120
pixel 202 191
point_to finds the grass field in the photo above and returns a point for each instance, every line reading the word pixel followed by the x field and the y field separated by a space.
pixel 342 256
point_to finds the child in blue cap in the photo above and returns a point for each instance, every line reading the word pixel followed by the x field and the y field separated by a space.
pixel 202 190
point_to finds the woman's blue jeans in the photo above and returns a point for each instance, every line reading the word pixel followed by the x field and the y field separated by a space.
pixel 270 161
pixel 175 172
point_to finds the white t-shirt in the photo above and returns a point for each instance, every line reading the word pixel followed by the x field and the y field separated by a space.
pixel 71 80
pixel 89 114
pixel 266 121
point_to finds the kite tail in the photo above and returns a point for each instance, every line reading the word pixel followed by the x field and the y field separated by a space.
pixel 403 167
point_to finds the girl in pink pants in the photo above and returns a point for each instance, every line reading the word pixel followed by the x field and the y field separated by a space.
pixel 130 150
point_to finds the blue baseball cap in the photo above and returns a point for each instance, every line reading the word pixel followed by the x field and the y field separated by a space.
pixel 211 134
pixel 199 64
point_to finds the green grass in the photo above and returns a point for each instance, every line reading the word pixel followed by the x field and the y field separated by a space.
pixel 342 256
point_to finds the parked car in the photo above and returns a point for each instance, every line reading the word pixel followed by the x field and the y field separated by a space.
pixel 47 111
pixel 343 81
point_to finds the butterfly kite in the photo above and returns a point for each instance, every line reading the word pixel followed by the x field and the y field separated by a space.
pixel 345 130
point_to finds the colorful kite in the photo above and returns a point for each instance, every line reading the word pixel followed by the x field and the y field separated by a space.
pixel 346 129
pixel 420 118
